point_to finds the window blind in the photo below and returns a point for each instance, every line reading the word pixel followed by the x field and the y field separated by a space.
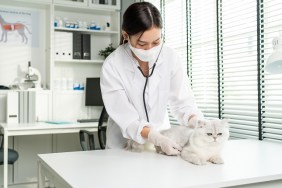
pixel 202 58
pixel 156 3
pixel 245 32
pixel 238 67
pixel 175 27
pixel 175 33
pixel 271 83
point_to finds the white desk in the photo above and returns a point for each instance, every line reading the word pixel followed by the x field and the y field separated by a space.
pixel 246 162
pixel 37 129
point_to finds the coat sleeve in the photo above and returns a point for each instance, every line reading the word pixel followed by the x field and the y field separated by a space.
pixel 118 105
pixel 181 98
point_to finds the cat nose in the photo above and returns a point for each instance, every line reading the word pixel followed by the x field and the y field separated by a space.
pixel 214 138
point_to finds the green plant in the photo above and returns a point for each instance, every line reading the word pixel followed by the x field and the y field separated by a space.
pixel 107 51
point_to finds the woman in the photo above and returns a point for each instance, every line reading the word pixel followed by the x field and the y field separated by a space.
pixel 139 79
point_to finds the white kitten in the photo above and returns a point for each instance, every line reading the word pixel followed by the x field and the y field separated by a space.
pixel 202 141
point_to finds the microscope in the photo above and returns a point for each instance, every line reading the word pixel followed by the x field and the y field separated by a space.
pixel 33 76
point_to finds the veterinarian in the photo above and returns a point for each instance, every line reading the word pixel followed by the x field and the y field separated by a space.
pixel 140 78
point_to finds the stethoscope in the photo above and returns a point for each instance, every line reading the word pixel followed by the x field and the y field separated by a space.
pixel 146 82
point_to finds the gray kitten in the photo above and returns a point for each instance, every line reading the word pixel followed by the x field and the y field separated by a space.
pixel 201 141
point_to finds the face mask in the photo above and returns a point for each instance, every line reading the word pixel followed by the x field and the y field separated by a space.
pixel 146 55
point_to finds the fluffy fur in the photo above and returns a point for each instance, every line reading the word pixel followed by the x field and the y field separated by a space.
pixel 202 141
pixel 206 141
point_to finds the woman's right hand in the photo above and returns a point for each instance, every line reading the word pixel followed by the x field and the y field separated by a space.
pixel 167 145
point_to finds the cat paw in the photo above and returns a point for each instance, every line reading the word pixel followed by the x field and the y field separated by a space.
pixel 216 160
pixel 194 160
pixel 134 146
pixel 159 150
pixel 199 161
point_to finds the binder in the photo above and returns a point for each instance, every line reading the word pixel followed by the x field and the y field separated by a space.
pixel 13 107
pixel 63 45
pixel 77 46
pixel 31 107
pixel 86 49
pixel 21 107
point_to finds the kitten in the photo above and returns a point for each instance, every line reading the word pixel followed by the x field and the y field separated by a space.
pixel 134 146
pixel 201 142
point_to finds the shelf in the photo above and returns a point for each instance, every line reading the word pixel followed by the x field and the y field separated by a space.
pixel 58 91
pixel 80 61
pixel 103 32
pixel 98 9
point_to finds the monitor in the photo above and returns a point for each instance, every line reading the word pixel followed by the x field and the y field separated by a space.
pixel 93 96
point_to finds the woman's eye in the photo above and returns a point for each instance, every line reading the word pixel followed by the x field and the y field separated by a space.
pixel 209 134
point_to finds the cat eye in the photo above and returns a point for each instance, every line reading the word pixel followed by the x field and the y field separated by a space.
pixel 219 134
pixel 209 134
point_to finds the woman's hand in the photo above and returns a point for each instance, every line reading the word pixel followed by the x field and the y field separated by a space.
pixel 167 145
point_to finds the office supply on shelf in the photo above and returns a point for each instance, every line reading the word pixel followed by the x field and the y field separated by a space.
pixel 13 107
pixel 63 45
pixel 27 106
pixel 77 45
pixel 86 49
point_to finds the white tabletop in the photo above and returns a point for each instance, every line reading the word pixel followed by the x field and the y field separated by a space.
pixel 37 128
pixel 246 161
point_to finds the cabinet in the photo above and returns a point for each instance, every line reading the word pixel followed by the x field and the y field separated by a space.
pixel 77 70
pixel 15 57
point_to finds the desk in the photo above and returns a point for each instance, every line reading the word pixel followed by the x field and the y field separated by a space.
pixel 37 129
pixel 246 162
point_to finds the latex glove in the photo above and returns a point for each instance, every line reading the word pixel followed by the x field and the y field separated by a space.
pixel 195 122
pixel 167 145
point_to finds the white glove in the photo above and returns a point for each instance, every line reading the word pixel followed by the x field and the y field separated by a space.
pixel 167 145
pixel 196 122
pixel 193 122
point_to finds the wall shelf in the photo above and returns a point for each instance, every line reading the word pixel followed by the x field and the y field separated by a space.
pixel 87 31
pixel 80 61
pixel 81 7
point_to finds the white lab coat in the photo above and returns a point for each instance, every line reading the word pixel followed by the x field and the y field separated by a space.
pixel 122 89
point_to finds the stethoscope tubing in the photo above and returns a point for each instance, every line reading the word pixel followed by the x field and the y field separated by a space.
pixel 146 82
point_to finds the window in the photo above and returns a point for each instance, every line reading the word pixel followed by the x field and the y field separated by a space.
pixel 238 67
pixel 202 59
pixel 271 11
pixel 227 45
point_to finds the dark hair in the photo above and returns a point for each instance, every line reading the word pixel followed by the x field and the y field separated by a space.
pixel 140 17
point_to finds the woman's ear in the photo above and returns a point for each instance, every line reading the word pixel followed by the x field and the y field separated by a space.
pixel 125 35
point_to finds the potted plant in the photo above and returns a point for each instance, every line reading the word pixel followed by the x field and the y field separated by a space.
pixel 107 51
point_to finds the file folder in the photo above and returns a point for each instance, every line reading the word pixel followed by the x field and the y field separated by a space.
pixel 86 48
